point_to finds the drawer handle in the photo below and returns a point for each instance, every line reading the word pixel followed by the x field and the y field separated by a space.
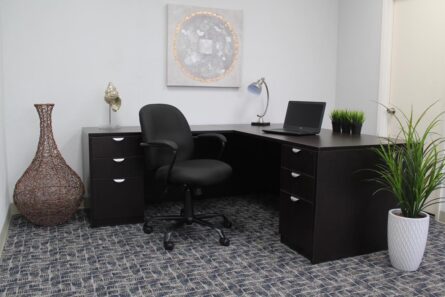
pixel 119 160
pixel 295 150
pixel 117 139
pixel 294 174
pixel 294 199
pixel 119 180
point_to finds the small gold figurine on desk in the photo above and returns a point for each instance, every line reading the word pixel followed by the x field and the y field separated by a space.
pixel 113 100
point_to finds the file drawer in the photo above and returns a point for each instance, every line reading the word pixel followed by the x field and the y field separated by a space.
pixel 118 198
pixel 115 146
pixel 296 223
pixel 299 160
pixel 117 167
pixel 297 184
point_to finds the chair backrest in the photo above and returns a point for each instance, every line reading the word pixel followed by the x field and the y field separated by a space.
pixel 165 122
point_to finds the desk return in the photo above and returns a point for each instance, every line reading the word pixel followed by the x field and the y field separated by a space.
pixel 327 208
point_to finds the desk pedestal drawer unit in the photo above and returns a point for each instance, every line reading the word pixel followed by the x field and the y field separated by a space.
pixel 114 173
pixel 298 168
pixel 326 202
pixel 327 208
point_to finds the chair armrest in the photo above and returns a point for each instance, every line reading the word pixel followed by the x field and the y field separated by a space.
pixel 164 143
pixel 222 139
pixel 161 143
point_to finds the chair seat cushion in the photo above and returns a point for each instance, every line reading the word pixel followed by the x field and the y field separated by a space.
pixel 199 172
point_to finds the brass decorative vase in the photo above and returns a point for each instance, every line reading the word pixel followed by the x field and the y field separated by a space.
pixel 49 192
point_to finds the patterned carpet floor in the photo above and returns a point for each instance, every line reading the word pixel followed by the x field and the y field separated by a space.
pixel 76 260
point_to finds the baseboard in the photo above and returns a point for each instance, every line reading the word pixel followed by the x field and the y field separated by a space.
pixel 441 217
pixel 12 210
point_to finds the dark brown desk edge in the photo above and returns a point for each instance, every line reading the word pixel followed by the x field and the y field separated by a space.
pixel 326 140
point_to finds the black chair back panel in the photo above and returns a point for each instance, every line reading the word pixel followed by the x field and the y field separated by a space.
pixel 163 121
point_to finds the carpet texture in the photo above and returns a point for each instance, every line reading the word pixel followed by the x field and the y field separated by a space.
pixel 76 260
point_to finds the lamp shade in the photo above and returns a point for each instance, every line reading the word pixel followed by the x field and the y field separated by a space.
pixel 256 87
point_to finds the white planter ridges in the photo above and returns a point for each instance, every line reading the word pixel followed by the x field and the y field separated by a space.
pixel 406 240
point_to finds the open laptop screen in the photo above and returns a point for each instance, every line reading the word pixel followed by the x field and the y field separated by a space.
pixel 304 114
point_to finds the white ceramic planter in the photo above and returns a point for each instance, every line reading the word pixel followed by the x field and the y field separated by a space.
pixel 406 240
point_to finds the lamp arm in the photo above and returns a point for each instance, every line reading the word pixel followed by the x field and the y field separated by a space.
pixel 267 103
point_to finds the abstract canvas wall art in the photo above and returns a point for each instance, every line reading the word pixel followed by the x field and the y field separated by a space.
pixel 204 46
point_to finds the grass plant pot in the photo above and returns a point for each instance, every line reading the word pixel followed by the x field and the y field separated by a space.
pixel 356 129
pixel 346 128
pixel 407 239
pixel 336 127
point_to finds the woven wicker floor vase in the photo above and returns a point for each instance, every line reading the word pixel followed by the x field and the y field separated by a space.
pixel 49 192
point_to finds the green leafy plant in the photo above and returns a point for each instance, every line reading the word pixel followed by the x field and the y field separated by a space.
pixel 344 116
pixel 349 116
pixel 357 117
pixel 336 115
pixel 413 164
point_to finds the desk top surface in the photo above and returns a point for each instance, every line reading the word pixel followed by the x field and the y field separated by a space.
pixel 325 140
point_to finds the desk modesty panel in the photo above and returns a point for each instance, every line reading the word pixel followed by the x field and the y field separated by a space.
pixel 326 204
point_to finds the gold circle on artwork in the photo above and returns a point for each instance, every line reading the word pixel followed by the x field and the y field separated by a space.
pixel 235 48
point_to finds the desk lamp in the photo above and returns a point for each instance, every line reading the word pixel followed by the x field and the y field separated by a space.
pixel 256 88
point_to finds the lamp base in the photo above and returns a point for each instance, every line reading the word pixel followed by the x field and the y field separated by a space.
pixel 260 124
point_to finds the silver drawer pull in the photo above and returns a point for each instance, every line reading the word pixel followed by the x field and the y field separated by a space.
pixel 294 174
pixel 117 139
pixel 119 160
pixel 295 150
pixel 294 199
pixel 119 180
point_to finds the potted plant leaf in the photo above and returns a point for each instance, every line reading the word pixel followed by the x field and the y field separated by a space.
pixel 345 120
pixel 411 171
pixel 336 120
pixel 357 119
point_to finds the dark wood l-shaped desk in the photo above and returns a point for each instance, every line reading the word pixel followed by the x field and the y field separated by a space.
pixel 327 206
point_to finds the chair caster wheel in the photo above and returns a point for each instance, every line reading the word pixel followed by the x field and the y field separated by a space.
pixel 147 229
pixel 227 224
pixel 224 241
pixel 168 245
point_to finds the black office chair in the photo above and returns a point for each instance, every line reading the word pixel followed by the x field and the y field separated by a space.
pixel 169 144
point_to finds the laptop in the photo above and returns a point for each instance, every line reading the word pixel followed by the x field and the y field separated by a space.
pixel 302 118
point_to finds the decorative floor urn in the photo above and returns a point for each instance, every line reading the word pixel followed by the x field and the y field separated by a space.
pixel 49 192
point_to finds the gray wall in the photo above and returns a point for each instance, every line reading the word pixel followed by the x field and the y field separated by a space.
pixel 358 62
pixel 4 198
pixel 67 51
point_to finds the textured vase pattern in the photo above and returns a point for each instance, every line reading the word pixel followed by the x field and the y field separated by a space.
pixel 49 192
pixel 406 240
